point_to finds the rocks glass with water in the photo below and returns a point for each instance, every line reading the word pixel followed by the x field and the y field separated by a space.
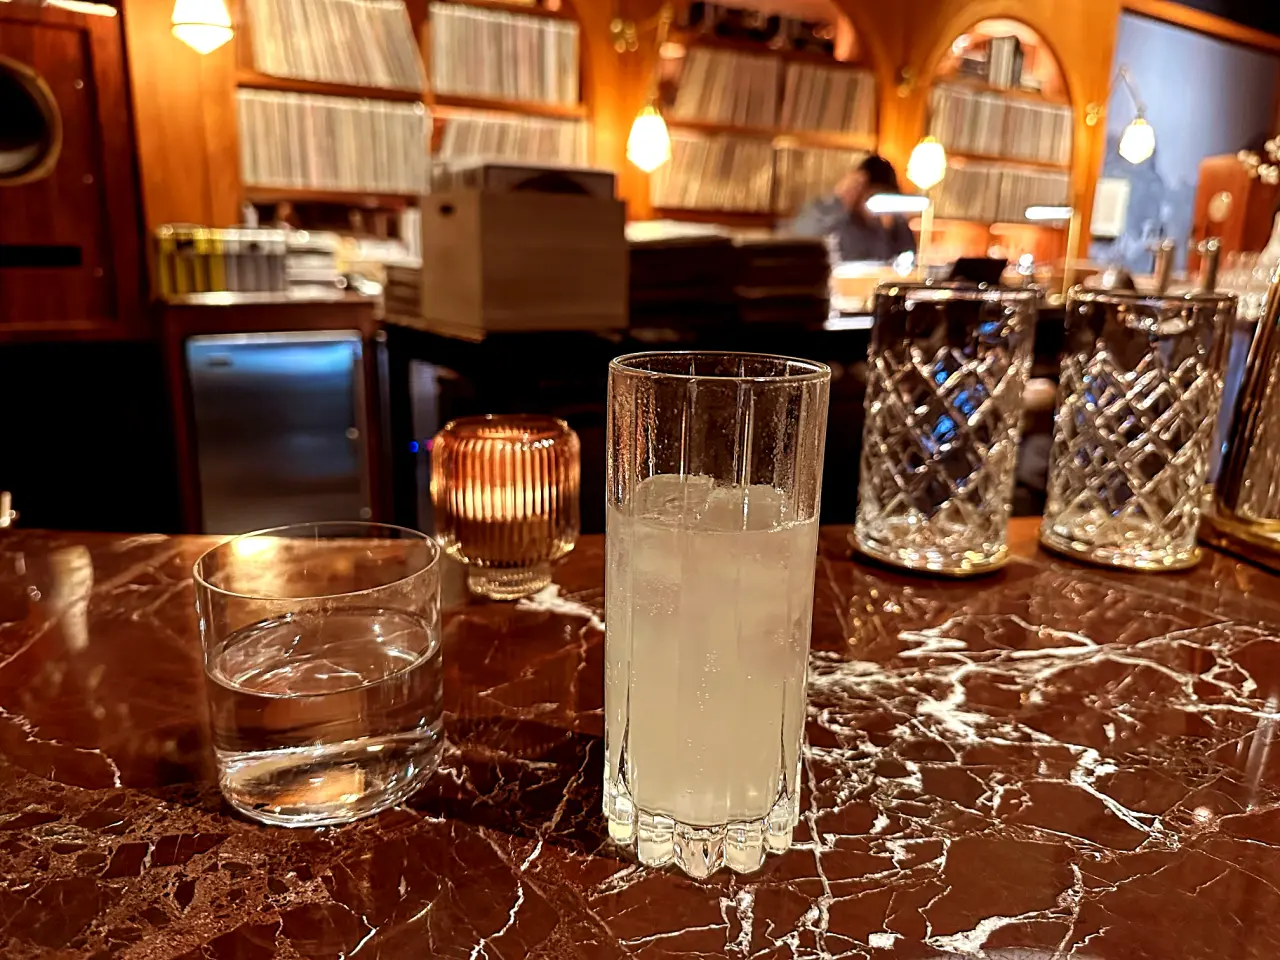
pixel 1138 399
pixel 323 668
pixel 948 365
pixel 714 478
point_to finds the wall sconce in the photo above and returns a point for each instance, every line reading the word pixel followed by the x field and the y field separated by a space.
pixel 649 142
pixel 1138 142
pixel 203 25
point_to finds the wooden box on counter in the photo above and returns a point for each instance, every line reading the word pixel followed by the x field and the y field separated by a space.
pixel 521 261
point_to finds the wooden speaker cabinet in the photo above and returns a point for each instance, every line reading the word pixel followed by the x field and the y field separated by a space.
pixel 69 221
pixel 1231 206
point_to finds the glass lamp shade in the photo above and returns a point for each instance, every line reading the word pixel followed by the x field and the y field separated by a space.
pixel 649 144
pixel 1138 142
pixel 505 491
pixel 928 164
pixel 203 25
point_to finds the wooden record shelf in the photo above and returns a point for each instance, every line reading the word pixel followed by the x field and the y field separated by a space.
pixel 710 41
pixel 1010 161
pixel 252 80
pixel 821 139
pixel 727 218
pixel 1013 93
pixel 825 140
pixel 443 103
pixel 991 224
pixel 346 198
pixel 525 8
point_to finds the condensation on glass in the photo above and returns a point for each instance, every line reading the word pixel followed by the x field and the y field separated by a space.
pixel 505 490
pixel 947 368
pixel 323 668
pixel 1138 401
pixel 713 484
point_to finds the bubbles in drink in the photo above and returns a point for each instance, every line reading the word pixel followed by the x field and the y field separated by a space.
pixel 709 615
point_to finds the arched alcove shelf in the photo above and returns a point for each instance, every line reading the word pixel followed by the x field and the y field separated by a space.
pixel 1000 105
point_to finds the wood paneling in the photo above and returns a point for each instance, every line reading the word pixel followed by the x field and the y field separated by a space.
pixel 184 109
pixel 88 204
pixel 185 103
pixel 251 79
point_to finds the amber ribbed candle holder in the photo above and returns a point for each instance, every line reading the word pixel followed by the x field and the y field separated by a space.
pixel 505 490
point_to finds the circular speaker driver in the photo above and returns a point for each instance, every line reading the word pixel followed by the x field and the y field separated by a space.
pixel 30 125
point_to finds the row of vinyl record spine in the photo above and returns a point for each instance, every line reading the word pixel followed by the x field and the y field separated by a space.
pixel 715 173
pixel 988 193
pixel 478 135
pixel 317 142
pixel 1004 62
pixel 358 42
pixel 829 98
pixel 720 86
pixel 743 174
pixel 981 122
pixel 513 56
pixel 753 90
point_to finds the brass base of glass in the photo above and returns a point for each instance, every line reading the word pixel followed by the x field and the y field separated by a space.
pixel 971 564
pixel 1124 558
pixel 1259 543
pixel 509 583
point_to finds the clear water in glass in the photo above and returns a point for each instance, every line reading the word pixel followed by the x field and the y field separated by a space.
pixel 322 716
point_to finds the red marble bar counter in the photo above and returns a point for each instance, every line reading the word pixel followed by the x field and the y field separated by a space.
pixel 1054 761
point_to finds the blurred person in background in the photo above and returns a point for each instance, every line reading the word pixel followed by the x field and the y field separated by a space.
pixel 857 233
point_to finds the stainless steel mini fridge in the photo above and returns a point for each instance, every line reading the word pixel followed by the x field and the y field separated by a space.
pixel 277 424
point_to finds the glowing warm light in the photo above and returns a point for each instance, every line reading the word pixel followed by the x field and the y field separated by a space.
pixel 1138 141
pixel 84 6
pixel 881 203
pixel 203 25
pixel 928 164
pixel 1048 213
pixel 649 145
pixel 252 546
